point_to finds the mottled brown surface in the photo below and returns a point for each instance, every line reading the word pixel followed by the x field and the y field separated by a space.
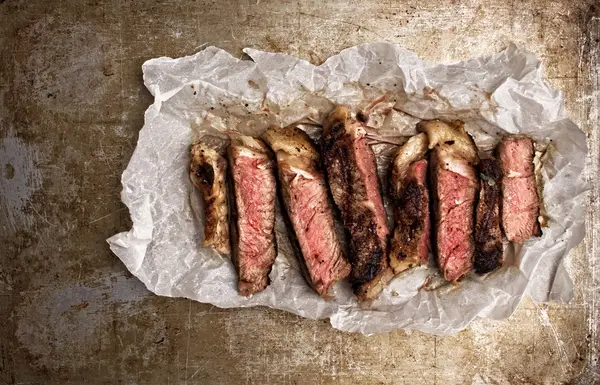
pixel 71 105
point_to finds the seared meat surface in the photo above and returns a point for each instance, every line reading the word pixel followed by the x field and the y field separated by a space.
pixel 488 235
pixel 520 204
pixel 352 177
pixel 253 172
pixel 305 198
pixel 455 185
pixel 208 172
pixel 410 243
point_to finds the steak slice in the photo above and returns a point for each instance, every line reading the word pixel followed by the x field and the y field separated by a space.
pixel 305 197
pixel 455 185
pixel 255 192
pixel 410 243
pixel 520 204
pixel 208 172
pixel 488 235
pixel 351 172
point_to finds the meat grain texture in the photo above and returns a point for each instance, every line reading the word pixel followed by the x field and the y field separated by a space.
pixel 352 177
pixel 520 203
pixel 208 172
pixel 455 185
pixel 411 240
pixel 488 233
pixel 253 172
pixel 305 197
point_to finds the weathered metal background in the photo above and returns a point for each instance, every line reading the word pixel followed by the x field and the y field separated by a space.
pixel 71 105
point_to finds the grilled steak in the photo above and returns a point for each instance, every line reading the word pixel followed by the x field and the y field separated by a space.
pixel 305 197
pixel 455 185
pixel 488 235
pixel 351 172
pixel 255 192
pixel 410 244
pixel 520 204
pixel 208 172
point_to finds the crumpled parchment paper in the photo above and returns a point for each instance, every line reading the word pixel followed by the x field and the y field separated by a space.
pixel 212 91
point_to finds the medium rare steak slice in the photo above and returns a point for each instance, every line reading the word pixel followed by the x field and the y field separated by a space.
pixel 208 172
pixel 488 235
pixel 254 183
pixel 305 197
pixel 410 244
pixel 351 173
pixel 455 185
pixel 520 204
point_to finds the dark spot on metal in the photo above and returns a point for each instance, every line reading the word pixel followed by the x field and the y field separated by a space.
pixel 107 69
pixel 10 171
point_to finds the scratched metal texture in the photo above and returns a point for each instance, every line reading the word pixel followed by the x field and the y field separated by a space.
pixel 71 105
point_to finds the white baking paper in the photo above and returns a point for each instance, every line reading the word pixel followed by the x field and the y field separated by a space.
pixel 212 91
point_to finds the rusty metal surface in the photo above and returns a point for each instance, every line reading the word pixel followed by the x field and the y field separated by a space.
pixel 71 105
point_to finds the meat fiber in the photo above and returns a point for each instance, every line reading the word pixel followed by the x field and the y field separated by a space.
pixel 305 197
pixel 520 204
pixel 255 193
pixel 410 243
pixel 488 235
pixel 208 172
pixel 351 173
pixel 455 184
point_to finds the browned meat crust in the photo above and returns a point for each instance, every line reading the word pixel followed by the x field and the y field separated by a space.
pixel 488 235
pixel 351 172
pixel 410 243
pixel 208 172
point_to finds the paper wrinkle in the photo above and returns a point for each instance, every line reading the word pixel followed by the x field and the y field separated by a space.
pixel 211 91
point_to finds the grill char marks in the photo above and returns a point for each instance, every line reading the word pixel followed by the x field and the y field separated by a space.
pixel 208 172
pixel 488 235
pixel 520 204
pixel 255 193
pixel 455 185
pixel 410 243
pixel 304 193
pixel 352 177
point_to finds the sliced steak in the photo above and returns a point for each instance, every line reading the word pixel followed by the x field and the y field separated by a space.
pixel 488 235
pixel 410 243
pixel 305 197
pixel 208 172
pixel 520 204
pixel 351 172
pixel 455 184
pixel 253 171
